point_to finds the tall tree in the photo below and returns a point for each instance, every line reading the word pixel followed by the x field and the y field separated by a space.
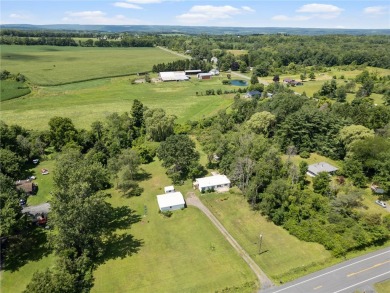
pixel 62 131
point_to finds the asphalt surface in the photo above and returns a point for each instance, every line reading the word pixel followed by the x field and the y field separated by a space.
pixel 38 209
pixel 355 275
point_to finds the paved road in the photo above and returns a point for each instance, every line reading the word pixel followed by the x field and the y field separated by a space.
pixel 193 200
pixel 358 274
pixel 38 209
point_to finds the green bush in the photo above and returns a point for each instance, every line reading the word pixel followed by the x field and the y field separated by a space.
pixel 304 155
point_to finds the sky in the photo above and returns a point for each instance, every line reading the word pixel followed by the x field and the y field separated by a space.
pixel 349 14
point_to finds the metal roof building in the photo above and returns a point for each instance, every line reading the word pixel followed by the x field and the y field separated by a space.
pixel 170 201
pixel 314 169
pixel 173 76
pixel 216 182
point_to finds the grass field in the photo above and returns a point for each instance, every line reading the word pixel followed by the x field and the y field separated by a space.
pixel 94 100
pixel 383 287
pixel 49 65
pixel 184 253
pixel 11 89
pixel 283 256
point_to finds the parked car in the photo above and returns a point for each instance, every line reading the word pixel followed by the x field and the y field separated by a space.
pixel 381 203
pixel 35 161
pixel 22 202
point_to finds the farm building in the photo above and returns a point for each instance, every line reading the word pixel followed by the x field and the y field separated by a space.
pixel 204 75
pixel 214 60
pixel 170 201
pixel 192 71
pixel 217 182
pixel 168 189
pixel 214 71
pixel 253 94
pixel 173 76
pixel 314 169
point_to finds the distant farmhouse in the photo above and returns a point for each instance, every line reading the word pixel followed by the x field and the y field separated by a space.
pixel 219 183
pixel 204 75
pixel 253 94
pixel 214 71
pixel 170 201
pixel 173 76
pixel 314 169
pixel 292 82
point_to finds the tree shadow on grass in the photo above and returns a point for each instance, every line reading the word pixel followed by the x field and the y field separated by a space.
pixel 30 245
pixel 121 245
pixel 142 175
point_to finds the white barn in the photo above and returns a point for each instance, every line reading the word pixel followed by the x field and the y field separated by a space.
pixel 170 201
pixel 173 76
pixel 217 182
pixel 168 189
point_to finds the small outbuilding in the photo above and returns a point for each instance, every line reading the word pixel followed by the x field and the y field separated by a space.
pixel 204 75
pixel 26 186
pixel 171 201
pixel 219 183
pixel 253 94
pixel 314 169
pixel 169 189
pixel 214 71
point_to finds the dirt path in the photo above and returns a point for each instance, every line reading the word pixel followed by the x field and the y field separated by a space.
pixel 175 53
pixel 265 282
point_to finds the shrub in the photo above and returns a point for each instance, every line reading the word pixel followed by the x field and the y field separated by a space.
pixel 304 155
pixel 167 214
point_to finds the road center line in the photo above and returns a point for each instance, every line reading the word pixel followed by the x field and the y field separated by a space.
pixel 361 282
pixel 327 273
pixel 374 266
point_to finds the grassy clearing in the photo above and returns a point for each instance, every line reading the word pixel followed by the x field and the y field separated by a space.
pixel 383 287
pixel 94 100
pixel 48 65
pixel 283 256
pixel 184 253
pixel 238 52
pixel 11 89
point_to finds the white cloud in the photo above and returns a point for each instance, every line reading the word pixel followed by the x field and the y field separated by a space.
pixel 95 13
pixel 198 14
pixel 291 18
pixel 18 16
pixel 97 17
pixel 377 10
pixel 144 1
pixel 127 5
pixel 319 8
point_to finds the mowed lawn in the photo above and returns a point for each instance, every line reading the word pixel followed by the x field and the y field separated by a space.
pixel 89 101
pixel 49 65
pixel 283 257
pixel 183 253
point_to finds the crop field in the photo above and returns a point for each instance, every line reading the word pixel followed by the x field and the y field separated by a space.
pixel 48 65
pixel 93 100
pixel 11 89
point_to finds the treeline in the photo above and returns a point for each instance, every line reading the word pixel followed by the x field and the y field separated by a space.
pixel 181 65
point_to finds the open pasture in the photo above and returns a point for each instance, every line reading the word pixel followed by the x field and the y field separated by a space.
pixel 93 100
pixel 49 65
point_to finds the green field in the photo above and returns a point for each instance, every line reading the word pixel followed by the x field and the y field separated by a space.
pixel 94 100
pixel 184 253
pixel 283 256
pixel 11 89
pixel 48 65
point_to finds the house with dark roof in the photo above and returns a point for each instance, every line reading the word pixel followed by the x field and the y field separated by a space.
pixel 26 186
pixel 253 94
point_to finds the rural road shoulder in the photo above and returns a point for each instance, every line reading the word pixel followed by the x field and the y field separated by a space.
pixel 265 282
pixel 354 275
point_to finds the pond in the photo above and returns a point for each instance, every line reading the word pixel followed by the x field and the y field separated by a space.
pixel 238 82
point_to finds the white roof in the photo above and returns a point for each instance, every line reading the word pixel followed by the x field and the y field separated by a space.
pixel 321 167
pixel 170 199
pixel 212 181
pixel 173 75
pixel 169 188
pixel 204 74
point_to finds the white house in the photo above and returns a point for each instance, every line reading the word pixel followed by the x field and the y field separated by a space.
pixel 214 71
pixel 214 60
pixel 217 182
pixel 168 189
pixel 314 169
pixel 170 201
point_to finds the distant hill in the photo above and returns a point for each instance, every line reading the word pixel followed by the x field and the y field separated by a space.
pixel 167 29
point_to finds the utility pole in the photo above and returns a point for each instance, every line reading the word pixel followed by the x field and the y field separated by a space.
pixel 261 239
